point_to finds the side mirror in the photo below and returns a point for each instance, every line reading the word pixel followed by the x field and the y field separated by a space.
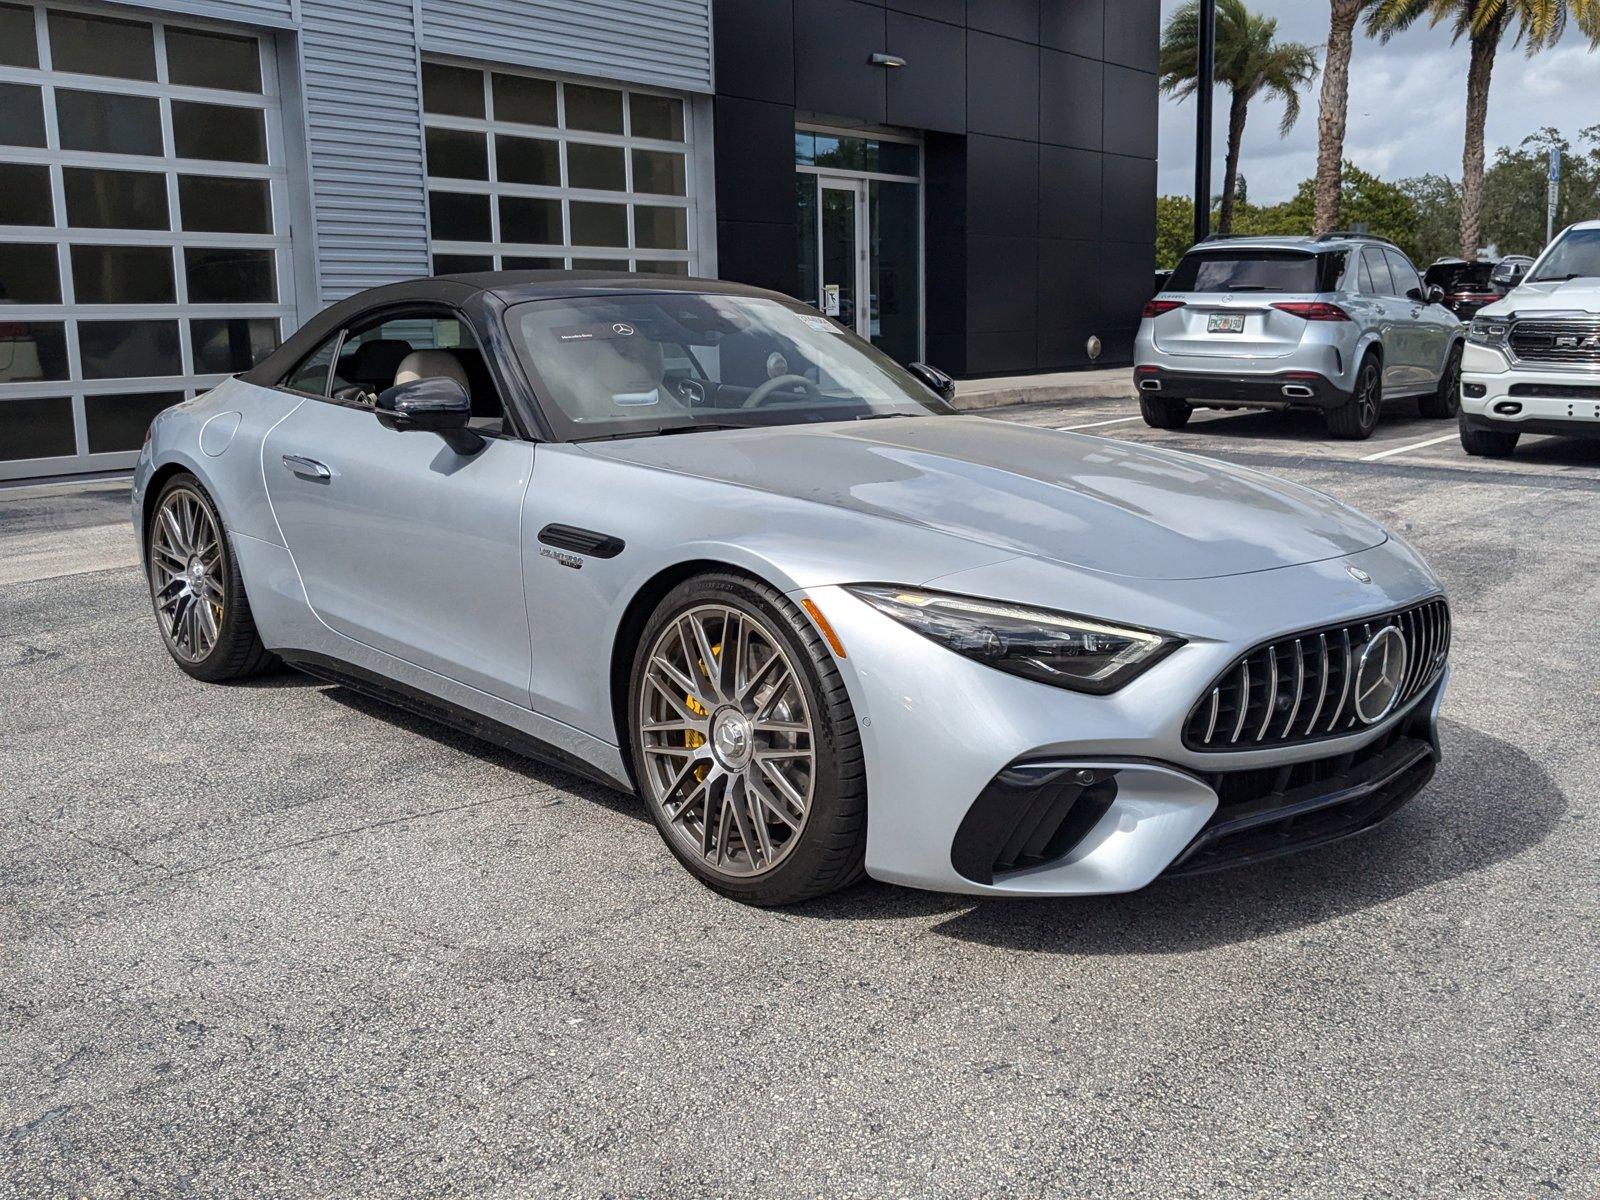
pixel 438 405
pixel 940 383
pixel 1436 295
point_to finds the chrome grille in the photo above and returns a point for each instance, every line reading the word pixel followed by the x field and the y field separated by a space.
pixel 1298 688
pixel 1567 341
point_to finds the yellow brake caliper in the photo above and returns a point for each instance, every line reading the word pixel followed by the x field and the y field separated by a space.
pixel 692 738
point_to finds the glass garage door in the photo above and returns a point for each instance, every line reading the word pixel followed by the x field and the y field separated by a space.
pixel 144 251
pixel 526 172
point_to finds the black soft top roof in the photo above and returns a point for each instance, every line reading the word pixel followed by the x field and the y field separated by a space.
pixel 463 291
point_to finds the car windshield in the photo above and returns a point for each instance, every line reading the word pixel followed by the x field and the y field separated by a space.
pixel 1246 271
pixel 642 363
pixel 1575 255
pixel 1460 276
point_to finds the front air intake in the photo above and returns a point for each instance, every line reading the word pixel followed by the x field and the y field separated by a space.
pixel 1029 815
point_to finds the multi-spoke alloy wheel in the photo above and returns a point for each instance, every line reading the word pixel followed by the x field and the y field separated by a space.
pixel 1357 417
pixel 744 743
pixel 729 745
pixel 196 588
pixel 186 575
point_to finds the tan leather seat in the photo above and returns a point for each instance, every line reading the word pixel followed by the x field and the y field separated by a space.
pixel 431 364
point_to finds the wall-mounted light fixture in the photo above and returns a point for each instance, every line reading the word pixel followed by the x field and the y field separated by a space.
pixel 887 60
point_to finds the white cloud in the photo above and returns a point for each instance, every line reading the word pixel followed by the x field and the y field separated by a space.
pixel 1407 106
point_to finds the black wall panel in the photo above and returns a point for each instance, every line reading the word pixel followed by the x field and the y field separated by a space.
pixel 833 41
pixel 1076 25
pixel 1071 100
pixel 930 91
pixel 754 161
pixel 755 49
pixel 1039 141
pixel 1131 112
pixel 1002 87
pixel 1017 19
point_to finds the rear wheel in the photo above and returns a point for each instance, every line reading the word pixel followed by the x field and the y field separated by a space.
pixel 1488 443
pixel 1162 412
pixel 1357 417
pixel 744 744
pixel 1447 400
pixel 196 587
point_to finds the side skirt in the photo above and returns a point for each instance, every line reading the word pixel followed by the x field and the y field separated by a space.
pixel 413 700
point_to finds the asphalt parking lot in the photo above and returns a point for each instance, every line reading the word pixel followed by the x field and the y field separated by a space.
pixel 275 938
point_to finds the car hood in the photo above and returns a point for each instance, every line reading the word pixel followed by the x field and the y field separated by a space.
pixel 1574 295
pixel 1107 506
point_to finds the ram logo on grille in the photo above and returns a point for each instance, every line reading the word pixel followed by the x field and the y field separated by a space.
pixel 1325 682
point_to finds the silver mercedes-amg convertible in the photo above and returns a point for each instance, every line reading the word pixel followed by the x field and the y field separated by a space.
pixel 698 541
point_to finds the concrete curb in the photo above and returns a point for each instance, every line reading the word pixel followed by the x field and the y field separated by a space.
pixel 1113 384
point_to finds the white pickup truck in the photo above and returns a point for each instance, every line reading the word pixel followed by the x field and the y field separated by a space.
pixel 1532 359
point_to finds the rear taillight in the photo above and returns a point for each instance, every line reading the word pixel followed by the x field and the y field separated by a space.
pixel 1313 310
pixel 1156 307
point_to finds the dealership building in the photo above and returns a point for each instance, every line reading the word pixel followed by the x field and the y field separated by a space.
pixel 181 186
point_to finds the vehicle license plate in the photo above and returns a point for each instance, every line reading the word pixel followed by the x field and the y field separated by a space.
pixel 1224 323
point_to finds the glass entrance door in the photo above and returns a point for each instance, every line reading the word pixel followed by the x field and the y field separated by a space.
pixel 842 245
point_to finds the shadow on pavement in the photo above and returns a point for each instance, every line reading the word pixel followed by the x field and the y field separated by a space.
pixel 1488 803
pixel 1300 425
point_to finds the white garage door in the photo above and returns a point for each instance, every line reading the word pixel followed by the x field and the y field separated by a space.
pixel 144 249
pixel 528 172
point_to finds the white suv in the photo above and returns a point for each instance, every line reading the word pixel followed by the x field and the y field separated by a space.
pixel 1532 362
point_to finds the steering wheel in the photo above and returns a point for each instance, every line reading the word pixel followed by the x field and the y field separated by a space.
pixel 766 389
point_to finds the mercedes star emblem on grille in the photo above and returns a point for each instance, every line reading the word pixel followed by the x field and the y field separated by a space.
pixel 1378 675
pixel 1359 575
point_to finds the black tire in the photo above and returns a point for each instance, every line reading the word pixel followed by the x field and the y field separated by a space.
pixel 1488 443
pixel 1446 401
pixel 237 651
pixel 829 851
pixel 1357 418
pixel 1163 412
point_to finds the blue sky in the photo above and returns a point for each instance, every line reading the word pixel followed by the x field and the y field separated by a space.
pixel 1407 100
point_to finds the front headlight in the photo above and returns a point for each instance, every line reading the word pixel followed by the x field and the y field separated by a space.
pixel 1052 647
pixel 1488 331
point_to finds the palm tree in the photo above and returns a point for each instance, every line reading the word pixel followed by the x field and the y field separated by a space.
pixel 1539 24
pixel 1334 110
pixel 1250 61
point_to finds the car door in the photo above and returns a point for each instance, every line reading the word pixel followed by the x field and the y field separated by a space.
pixel 1399 355
pixel 1429 325
pixel 402 543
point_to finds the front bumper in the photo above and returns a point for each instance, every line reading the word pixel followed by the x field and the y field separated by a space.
pixel 941 731
pixel 1498 396
pixel 1281 389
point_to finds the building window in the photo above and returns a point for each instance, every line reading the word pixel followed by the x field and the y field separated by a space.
pixel 526 172
pixel 144 252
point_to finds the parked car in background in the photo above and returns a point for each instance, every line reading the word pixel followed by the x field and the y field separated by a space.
pixel 1532 361
pixel 1510 271
pixel 1336 323
pixel 1467 286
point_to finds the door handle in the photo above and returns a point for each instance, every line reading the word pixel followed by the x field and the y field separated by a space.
pixel 306 468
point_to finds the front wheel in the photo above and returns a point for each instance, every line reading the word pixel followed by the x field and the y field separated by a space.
pixel 196 588
pixel 1357 418
pixel 1488 443
pixel 744 744
pixel 1447 400
pixel 1159 412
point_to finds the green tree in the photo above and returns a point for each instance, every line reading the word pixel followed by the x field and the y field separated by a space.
pixel 1250 61
pixel 1514 189
pixel 1334 109
pixel 1437 201
pixel 1174 229
pixel 1537 24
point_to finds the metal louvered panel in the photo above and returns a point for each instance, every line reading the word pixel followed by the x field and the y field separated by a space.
pixel 1300 688
pixel 363 102
pixel 663 43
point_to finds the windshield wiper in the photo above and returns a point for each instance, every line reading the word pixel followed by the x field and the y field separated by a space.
pixel 664 430
pixel 882 416
pixel 1563 278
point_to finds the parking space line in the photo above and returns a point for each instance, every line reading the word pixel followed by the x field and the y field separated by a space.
pixel 1097 424
pixel 1413 446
